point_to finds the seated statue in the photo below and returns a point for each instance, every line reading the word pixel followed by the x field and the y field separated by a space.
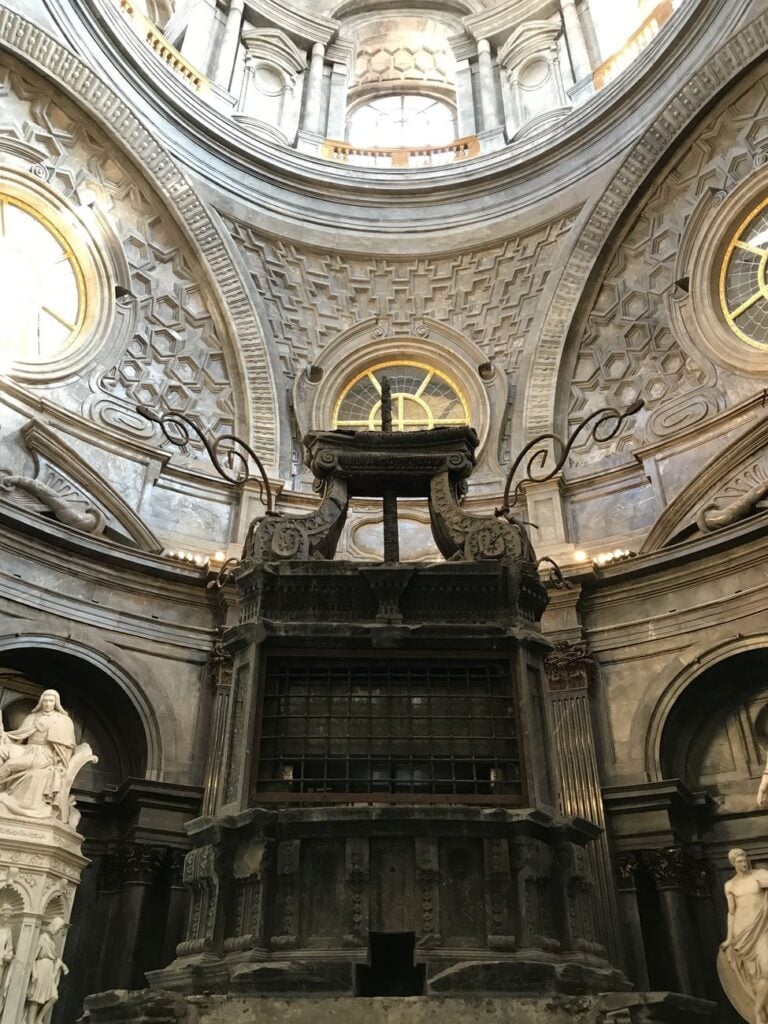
pixel 742 962
pixel 39 761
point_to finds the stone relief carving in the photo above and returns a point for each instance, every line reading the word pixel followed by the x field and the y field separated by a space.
pixel 47 969
pixel 627 347
pixel 742 961
pixel 39 762
pixel 742 496
pixel 56 496
pixel 490 294
pixel 172 352
pixel 732 486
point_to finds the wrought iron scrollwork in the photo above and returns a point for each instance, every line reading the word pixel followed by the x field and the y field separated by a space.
pixel 178 430
pixel 595 421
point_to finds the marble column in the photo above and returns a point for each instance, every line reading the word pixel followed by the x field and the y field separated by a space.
pixel 140 863
pixel 488 104
pixel 590 35
pixel 571 675
pixel 311 119
pixel 671 871
pixel 577 44
pixel 627 866
pixel 225 61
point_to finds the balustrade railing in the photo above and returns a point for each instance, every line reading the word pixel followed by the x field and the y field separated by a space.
pixel 637 42
pixel 167 53
pixel 411 156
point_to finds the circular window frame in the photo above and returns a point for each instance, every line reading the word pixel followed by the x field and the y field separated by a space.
pixel 724 263
pixel 371 369
pixel 92 271
pixel 699 315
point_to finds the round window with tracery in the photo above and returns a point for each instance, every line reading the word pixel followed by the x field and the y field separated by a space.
pixel 422 398
pixel 743 285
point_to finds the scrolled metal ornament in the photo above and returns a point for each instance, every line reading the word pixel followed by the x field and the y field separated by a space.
pixel 178 430
pixel 537 461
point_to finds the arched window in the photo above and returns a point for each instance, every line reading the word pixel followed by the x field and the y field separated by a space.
pixel 403 120
pixel 422 397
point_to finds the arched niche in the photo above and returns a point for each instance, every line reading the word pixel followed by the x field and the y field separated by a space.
pixel 102 712
pixel 715 737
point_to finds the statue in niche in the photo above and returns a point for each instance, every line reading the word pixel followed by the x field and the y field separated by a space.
pixel 39 761
pixel 742 962
pixel 6 949
pixel 43 989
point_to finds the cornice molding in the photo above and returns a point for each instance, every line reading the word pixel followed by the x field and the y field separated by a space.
pixel 299 22
pixel 303 188
pixel 60 65
pixel 712 79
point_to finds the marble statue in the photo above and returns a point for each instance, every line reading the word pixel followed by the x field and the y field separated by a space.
pixel 6 949
pixel 47 969
pixel 762 789
pixel 742 962
pixel 38 762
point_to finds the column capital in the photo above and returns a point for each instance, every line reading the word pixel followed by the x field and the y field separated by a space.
pixel 318 50
pixel 483 46
pixel 570 666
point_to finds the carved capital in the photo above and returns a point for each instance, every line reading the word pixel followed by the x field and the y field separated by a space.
pixel 140 863
pixel 670 867
pixel 570 666
pixel 627 866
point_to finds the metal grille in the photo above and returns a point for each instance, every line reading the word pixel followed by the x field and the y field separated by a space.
pixel 425 728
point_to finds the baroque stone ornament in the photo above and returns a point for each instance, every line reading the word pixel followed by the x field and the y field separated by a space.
pixel 62 501
pixel 40 858
pixel 742 961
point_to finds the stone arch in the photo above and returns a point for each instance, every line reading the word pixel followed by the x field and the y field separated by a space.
pixel 542 412
pixel 250 356
pixel 11 894
pixel 129 677
pixel 683 672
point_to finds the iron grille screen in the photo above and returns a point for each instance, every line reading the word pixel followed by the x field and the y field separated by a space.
pixel 402 728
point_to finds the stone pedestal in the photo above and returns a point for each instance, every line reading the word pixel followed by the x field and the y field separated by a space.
pixel 40 866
